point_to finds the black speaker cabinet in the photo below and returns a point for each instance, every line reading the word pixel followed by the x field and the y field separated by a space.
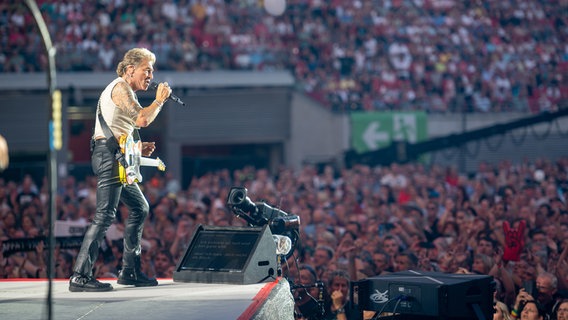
pixel 426 295
pixel 232 255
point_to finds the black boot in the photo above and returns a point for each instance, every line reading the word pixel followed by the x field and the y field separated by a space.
pixel 135 277
pixel 80 283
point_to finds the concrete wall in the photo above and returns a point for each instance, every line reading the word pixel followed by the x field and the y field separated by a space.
pixel 316 135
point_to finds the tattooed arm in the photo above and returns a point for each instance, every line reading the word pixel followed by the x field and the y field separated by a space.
pixel 124 98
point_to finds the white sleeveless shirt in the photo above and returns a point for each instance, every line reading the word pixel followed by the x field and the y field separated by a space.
pixel 119 121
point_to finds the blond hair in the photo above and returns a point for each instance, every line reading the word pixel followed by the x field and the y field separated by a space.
pixel 134 57
pixel 504 310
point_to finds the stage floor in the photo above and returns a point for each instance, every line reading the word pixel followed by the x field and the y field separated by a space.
pixel 26 299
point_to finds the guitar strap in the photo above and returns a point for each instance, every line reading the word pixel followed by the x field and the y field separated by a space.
pixel 111 143
pixel 136 135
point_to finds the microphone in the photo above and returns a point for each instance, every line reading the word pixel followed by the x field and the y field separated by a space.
pixel 154 86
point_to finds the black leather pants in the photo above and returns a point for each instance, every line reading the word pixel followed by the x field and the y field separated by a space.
pixel 109 191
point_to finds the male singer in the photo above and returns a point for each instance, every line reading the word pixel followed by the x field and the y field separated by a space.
pixel 122 113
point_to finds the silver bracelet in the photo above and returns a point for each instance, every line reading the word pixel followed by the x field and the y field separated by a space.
pixel 160 104
pixel 340 310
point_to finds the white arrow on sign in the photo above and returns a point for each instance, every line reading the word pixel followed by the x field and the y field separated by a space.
pixel 372 136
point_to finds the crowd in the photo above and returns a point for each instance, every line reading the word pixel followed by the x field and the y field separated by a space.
pixel 509 221
pixel 432 55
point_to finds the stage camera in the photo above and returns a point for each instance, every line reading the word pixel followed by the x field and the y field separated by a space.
pixel 258 214
pixel 280 225
pixel 238 199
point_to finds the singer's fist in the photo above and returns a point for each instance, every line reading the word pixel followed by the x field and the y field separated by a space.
pixel 4 159
pixel 163 91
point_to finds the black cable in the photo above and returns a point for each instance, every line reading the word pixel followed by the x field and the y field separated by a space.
pixel 309 295
pixel 295 238
pixel 288 278
pixel 298 244
pixel 320 301
pixel 396 305
pixel 378 313
pixel 288 267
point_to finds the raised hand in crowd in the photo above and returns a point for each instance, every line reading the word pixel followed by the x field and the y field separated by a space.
pixel 522 297
pixel 500 271
pixel 562 267
pixel 514 241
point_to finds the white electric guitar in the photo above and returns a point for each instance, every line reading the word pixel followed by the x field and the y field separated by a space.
pixel 133 154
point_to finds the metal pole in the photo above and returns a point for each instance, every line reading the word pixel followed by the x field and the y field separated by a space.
pixel 54 145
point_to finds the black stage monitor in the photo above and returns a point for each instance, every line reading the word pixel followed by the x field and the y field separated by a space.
pixel 426 295
pixel 236 255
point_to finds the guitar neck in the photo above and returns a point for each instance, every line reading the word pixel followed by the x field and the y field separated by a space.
pixel 149 162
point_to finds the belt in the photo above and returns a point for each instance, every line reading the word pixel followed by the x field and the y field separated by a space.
pixel 100 141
